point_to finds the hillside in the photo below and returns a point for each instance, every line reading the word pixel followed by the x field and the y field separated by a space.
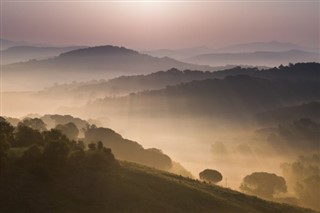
pixel 131 188
pixel 235 98
pixel 133 83
pixel 285 114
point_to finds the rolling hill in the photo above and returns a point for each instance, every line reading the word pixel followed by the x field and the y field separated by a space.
pixel 88 63
pixel 124 85
pixel 104 59
pixel 235 97
pixel 271 46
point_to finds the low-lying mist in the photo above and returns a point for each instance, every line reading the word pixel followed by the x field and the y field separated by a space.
pixel 237 125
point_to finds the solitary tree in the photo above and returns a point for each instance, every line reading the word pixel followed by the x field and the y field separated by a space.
pixel 263 184
pixel 212 176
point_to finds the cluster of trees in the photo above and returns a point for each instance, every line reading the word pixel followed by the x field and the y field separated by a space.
pixel 125 149
pixel 31 131
pixel 266 185
pixel 302 177
pixel 32 149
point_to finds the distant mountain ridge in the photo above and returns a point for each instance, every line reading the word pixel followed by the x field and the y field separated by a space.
pixel 24 53
pixel 89 63
pixel 271 46
pixel 101 58
pixel 5 43
pixel 98 51
pixel 261 58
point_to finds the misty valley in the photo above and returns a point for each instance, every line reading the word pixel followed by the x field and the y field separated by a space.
pixel 152 134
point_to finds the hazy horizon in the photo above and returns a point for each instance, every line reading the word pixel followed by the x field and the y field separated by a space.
pixel 179 24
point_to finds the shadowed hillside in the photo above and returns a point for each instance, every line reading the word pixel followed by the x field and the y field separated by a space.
pixel 131 188
pixel 308 110
pixel 235 97
pixel 126 84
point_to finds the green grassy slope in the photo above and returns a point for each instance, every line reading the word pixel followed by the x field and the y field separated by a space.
pixel 130 188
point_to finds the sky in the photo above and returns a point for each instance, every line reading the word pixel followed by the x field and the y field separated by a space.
pixel 156 25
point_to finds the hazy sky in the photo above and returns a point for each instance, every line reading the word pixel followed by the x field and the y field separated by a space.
pixel 147 25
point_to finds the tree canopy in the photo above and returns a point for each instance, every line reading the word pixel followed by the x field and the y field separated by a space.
pixel 212 176
pixel 263 184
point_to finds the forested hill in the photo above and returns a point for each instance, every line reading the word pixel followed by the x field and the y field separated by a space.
pixel 158 80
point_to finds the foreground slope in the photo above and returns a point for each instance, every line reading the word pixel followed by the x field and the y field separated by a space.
pixel 130 188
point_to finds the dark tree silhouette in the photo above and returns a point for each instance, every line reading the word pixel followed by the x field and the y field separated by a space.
pixel 263 184
pixel 26 136
pixel 34 123
pixel 211 176
pixel 6 137
pixel 54 135
pixel 69 129
pixel 92 146
pixel 100 158
pixel 55 154
pixel 6 131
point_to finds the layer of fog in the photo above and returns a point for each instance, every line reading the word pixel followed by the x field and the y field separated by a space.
pixel 192 141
